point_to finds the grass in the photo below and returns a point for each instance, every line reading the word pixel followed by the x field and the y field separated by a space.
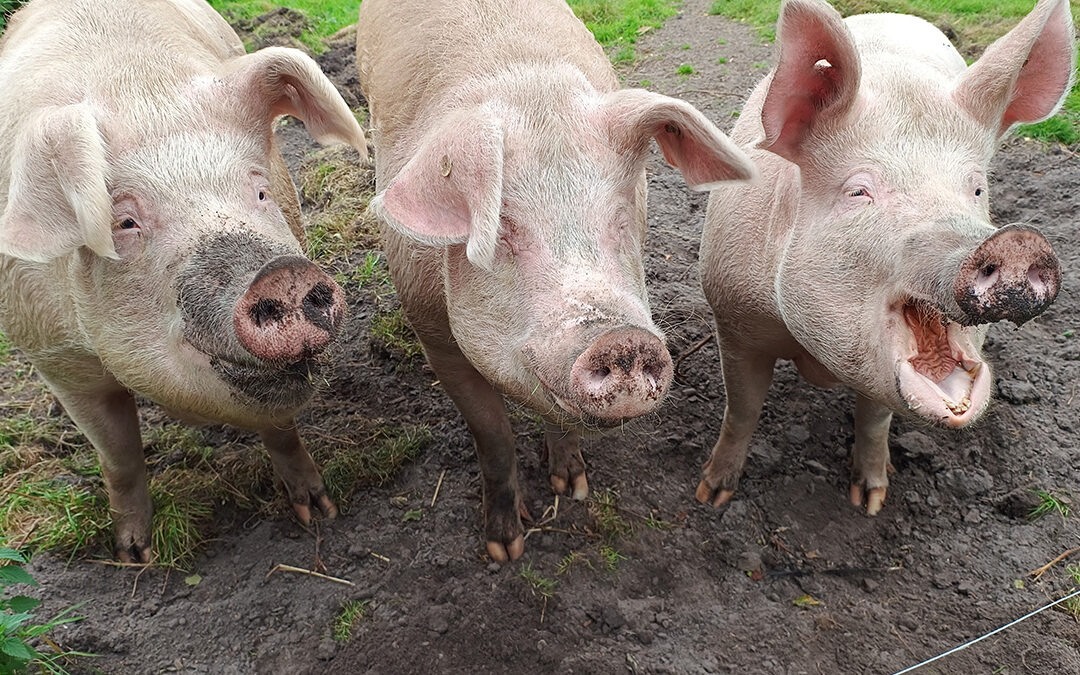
pixel 351 612
pixel 1072 606
pixel 324 17
pixel 392 331
pixel 611 557
pixel 371 274
pixel 685 69
pixel 604 508
pixel 334 180
pixel 538 584
pixel 976 23
pixel 1050 503
pixel 617 23
pixel 571 560
pixel 372 461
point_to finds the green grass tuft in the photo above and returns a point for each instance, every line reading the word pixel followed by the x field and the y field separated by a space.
pixel 604 508
pixel 374 461
pixel 335 180
pixel 538 583
pixel 1050 502
pixel 619 22
pixel 351 612
pixel 324 17
pixel 611 557
pixel 685 69
pixel 392 331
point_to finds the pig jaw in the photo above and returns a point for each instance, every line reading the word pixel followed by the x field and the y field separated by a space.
pixel 939 371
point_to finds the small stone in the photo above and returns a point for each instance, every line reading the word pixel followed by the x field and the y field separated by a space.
pixel 797 434
pixel 749 561
pixel 972 517
pixel 438 623
pixel 326 649
pixel 869 585
pixel 611 618
pixel 967 587
pixel 1018 391
pixel 493 567
pixel 645 637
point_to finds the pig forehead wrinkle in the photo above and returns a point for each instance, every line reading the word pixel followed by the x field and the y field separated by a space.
pixel 170 165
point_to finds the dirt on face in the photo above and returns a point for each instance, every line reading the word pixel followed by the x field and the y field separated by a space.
pixel 788 578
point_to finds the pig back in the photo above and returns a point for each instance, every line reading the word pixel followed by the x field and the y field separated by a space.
pixel 417 57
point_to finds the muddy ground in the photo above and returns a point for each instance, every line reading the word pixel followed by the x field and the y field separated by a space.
pixel 710 590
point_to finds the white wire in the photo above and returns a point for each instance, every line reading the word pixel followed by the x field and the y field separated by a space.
pixel 993 632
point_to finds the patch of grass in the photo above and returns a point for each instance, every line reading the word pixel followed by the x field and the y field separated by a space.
pixel 412 515
pixel 19 629
pixel 604 508
pixel 571 560
pixel 5 344
pixel 183 503
pixel 611 557
pixel 325 17
pixel 1050 503
pixel 685 69
pixel 619 22
pixel 44 509
pixel 1072 605
pixel 374 461
pixel 721 60
pixel 371 274
pixel 351 612
pixel 645 84
pixel 538 583
pixel 976 24
pixel 335 180
pixel 7 7
pixel 392 331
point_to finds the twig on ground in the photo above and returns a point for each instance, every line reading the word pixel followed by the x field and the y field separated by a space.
pixel 1039 571
pixel 380 557
pixel 280 567
pixel 437 486
pixel 697 345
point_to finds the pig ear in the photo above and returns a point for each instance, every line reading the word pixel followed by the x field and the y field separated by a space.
pixel 1023 76
pixel 450 192
pixel 689 141
pixel 283 81
pixel 817 77
pixel 57 197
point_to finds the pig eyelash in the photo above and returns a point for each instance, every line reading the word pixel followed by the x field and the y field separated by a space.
pixel 857 192
pixel 128 224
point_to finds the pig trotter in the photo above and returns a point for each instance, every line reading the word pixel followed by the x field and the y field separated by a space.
pixel 870 457
pixel 297 470
pixel 133 540
pixel 502 516
pixel 562 452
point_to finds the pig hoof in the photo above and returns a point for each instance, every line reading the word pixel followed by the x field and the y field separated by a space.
pixel 500 553
pixel 324 504
pixel 580 486
pixel 133 552
pixel 874 498
pixel 708 495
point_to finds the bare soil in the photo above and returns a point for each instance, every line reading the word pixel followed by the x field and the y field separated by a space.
pixel 709 590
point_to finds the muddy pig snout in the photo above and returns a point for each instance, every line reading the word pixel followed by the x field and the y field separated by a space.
pixel 291 311
pixel 624 374
pixel 1012 275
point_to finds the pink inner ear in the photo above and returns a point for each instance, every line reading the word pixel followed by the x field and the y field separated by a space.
pixel 430 206
pixel 1045 75
pixel 803 90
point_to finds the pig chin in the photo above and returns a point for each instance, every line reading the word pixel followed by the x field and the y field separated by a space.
pixel 270 389
pixel 940 374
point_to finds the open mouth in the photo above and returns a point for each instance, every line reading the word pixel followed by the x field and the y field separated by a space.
pixel 940 373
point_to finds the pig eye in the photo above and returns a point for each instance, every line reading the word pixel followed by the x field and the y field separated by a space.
pixel 857 192
pixel 262 196
pixel 128 224
pixel 978 192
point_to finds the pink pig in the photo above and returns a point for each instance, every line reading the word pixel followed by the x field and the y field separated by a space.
pixel 510 172
pixel 866 253
pixel 149 231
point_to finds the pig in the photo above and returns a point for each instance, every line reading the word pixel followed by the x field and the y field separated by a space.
pixel 510 186
pixel 149 231
pixel 866 253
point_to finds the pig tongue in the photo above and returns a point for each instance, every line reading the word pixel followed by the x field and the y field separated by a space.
pixel 934 358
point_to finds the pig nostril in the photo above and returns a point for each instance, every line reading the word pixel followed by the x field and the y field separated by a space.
pixel 597 376
pixel 264 311
pixel 319 298
pixel 988 269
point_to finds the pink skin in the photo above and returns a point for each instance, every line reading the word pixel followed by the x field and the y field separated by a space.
pixel 511 187
pixel 142 199
pixel 866 254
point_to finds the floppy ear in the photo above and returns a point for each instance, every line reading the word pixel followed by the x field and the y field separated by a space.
pixel 282 81
pixel 450 192
pixel 58 199
pixel 816 79
pixel 689 141
pixel 1023 76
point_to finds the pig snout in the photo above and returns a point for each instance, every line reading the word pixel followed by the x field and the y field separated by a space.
pixel 1012 275
pixel 623 374
pixel 291 311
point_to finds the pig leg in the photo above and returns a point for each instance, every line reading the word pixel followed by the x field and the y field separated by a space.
pixel 747 377
pixel 106 414
pixel 485 412
pixel 562 452
pixel 870 456
pixel 294 465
